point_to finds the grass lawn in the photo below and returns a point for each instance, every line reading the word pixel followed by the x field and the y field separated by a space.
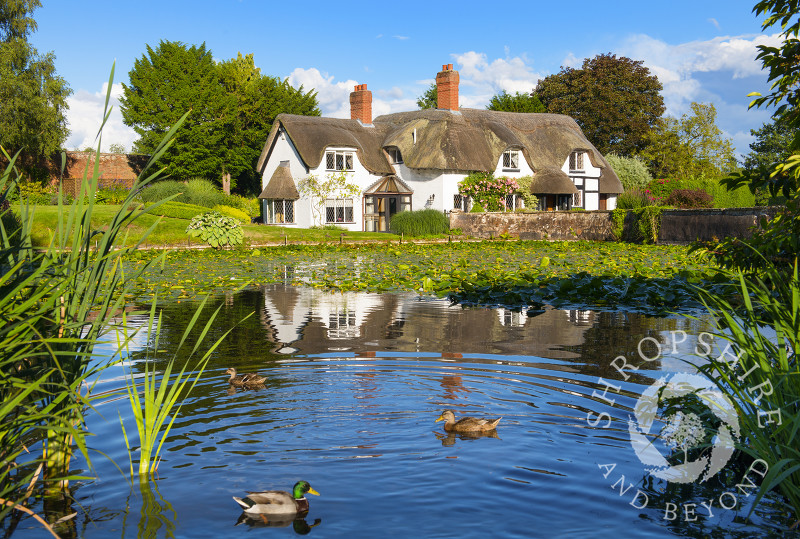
pixel 172 232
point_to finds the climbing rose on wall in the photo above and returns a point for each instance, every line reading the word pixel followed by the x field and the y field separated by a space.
pixel 488 191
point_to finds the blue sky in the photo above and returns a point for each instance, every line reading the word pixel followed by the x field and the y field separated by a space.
pixel 700 50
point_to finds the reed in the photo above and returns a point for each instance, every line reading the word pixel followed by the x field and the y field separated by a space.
pixel 155 404
pixel 762 325
pixel 56 305
pixel 420 223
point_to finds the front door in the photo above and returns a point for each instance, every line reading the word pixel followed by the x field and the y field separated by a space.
pixel 379 209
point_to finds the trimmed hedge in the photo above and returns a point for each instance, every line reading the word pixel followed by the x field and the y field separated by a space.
pixel 420 223
pixel 177 210
pixel 232 212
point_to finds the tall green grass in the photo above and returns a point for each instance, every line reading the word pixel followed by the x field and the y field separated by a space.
pixel 420 223
pixel 155 410
pixel 762 325
pixel 56 305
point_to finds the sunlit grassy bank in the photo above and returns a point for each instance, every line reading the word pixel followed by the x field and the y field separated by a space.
pixel 172 232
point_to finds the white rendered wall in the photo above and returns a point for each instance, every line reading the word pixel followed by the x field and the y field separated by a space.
pixel 590 175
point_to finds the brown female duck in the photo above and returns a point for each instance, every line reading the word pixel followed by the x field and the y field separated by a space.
pixel 245 380
pixel 467 424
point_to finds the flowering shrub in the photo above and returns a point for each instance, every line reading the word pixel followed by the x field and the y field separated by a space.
pixel 216 230
pixel 488 191
pixel 690 198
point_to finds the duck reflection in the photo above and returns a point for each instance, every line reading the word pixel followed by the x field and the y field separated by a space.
pixel 449 439
pixel 298 523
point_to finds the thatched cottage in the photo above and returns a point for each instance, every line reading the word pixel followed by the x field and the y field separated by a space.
pixel 415 160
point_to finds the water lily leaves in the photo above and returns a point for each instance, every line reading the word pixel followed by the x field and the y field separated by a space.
pixel 518 274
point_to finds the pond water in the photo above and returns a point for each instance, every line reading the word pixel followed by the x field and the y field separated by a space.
pixel 355 382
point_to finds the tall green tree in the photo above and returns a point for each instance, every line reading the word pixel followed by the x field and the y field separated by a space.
pixel 33 98
pixel 232 109
pixel 165 83
pixel 783 64
pixel 429 99
pixel 772 144
pixel 692 145
pixel 518 102
pixel 616 101
pixel 256 100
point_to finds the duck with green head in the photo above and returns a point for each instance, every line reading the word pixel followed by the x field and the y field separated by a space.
pixel 277 502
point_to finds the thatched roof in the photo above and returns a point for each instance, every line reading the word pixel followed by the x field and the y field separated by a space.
pixel 552 181
pixel 281 185
pixel 465 141
pixel 311 135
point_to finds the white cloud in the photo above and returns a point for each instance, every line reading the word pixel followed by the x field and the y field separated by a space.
pixel 480 79
pixel 715 22
pixel 333 97
pixel 86 114
pixel 679 67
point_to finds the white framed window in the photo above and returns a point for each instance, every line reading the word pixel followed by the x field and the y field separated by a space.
pixel 513 202
pixel 338 210
pixel 338 160
pixel 577 199
pixel 576 161
pixel 511 160
pixel 461 202
pixel 278 211
pixel 395 157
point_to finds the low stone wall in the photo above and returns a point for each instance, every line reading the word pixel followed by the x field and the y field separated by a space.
pixel 686 226
pixel 677 226
pixel 545 225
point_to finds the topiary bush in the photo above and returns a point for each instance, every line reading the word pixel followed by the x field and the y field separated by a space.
pixel 690 198
pixel 419 223
pixel 216 229
pixel 631 171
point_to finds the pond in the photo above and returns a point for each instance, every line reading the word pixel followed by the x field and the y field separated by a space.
pixel 355 384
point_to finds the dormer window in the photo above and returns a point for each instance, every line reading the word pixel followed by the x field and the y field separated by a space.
pixel 338 160
pixel 395 157
pixel 576 161
pixel 511 161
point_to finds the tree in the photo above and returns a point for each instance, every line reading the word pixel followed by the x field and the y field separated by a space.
pixel 116 148
pixel 429 99
pixel 333 186
pixel 783 64
pixel 33 98
pixel 692 145
pixel 773 144
pixel 232 109
pixel 616 101
pixel 166 83
pixel 256 100
pixel 518 102
pixel 631 171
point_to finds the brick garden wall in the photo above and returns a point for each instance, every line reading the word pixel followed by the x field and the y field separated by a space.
pixel 115 169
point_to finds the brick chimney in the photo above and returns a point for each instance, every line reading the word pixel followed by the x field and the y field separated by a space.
pixel 447 88
pixel 361 104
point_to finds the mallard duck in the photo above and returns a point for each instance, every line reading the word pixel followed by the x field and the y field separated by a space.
pixel 467 424
pixel 241 380
pixel 277 502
